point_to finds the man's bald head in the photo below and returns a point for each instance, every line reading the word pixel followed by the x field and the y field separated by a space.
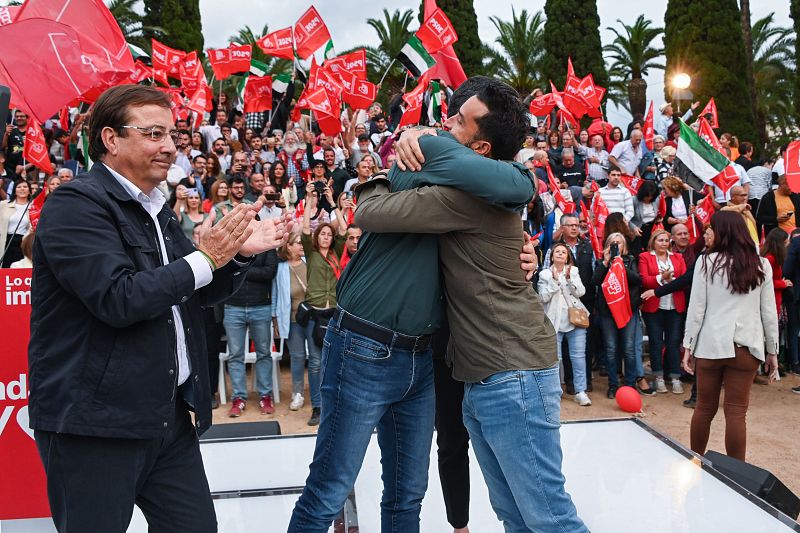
pixel 680 235
pixel 738 195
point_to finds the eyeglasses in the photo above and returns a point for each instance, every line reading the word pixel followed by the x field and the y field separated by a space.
pixel 156 133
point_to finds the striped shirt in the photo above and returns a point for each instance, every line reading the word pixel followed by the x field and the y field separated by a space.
pixel 618 200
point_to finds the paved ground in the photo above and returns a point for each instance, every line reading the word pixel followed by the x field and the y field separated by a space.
pixel 773 440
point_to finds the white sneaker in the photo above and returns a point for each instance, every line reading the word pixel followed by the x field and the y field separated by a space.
pixel 297 402
pixel 582 399
pixel 660 385
pixel 677 386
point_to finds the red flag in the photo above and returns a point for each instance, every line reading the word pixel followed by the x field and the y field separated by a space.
pixel 593 238
pixel 35 209
pixel 201 100
pixel 563 112
pixel 566 206
pixel 436 32
pixel 219 59
pixel 632 183
pixel 662 206
pixel 310 33
pixel 60 73
pixel 63 119
pixel 413 102
pixel 591 95
pixel 566 116
pixel 230 60
pixel 329 82
pixel 570 68
pixel 726 179
pixel 103 45
pixel 447 68
pixel 711 107
pixel 166 58
pixel 278 43
pixel 354 62
pixel 35 147
pixel 302 103
pixel 140 72
pixel 160 75
pixel 258 94
pixel 792 165
pixel 542 105
pixel 704 209
pixel 8 14
pixel 190 71
pixel 572 97
pixel 327 112
pixel 357 92
pixel 600 210
pixel 649 129
pixel 707 134
pixel 615 291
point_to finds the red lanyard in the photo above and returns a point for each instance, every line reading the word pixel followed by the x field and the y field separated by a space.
pixel 337 269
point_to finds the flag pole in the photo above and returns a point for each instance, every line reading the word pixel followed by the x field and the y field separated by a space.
pixel 387 71
pixel 405 81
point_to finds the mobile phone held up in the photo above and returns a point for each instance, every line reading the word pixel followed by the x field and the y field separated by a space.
pixel 614 249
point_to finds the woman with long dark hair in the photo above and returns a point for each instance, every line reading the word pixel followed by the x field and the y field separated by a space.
pixel 728 348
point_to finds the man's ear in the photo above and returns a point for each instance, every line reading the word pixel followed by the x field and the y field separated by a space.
pixel 110 140
pixel 483 148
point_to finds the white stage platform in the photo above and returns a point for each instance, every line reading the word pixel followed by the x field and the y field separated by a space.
pixel 622 475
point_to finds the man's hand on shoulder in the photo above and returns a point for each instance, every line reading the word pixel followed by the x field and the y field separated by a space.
pixel 409 154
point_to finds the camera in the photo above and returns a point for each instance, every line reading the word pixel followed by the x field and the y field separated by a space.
pixel 322 201
pixel 614 249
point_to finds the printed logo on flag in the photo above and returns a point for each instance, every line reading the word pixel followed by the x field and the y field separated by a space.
pixel 614 287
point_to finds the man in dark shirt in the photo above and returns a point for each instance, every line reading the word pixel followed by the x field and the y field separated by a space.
pixel 14 141
pixel 377 368
pixel 745 156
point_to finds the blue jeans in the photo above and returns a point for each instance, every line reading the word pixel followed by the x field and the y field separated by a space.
pixel 664 330
pixel 513 419
pixel 638 343
pixel 576 339
pixel 366 384
pixel 622 340
pixel 237 320
pixel 299 337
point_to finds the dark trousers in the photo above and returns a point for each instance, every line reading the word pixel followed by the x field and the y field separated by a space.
pixel 214 345
pixel 14 252
pixel 452 441
pixel 94 482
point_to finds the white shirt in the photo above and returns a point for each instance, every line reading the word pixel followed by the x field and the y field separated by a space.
pixel 213 132
pixel 627 156
pixel 19 220
pixel 267 213
pixel 721 197
pixel 153 203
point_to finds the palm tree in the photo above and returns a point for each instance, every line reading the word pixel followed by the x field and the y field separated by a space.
pixel 632 56
pixel 131 22
pixel 774 70
pixel 393 34
pixel 518 61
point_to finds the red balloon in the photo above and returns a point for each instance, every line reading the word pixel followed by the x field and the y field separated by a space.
pixel 629 400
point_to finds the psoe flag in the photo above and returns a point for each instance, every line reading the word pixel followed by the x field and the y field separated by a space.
pixel 310 33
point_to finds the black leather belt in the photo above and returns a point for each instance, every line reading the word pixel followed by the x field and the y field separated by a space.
pixel 379 333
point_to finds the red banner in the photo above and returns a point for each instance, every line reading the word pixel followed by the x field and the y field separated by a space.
pixel 327 112
pixel 615 291
pixel 166 58
pixel 35 147
pixel 140 72
pixel 413 100
pixel 310 33
pixel 632 183
pixel 190 72
pixel 22 485
pixel 704 209
pixel 230 60
pixel 357 92
pixel 355 62
pixel 566 206
pixel 8 14
pixel 278 44
pixel 258 94
pixel 436 32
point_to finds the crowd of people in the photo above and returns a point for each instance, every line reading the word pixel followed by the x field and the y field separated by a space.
pixel 235 158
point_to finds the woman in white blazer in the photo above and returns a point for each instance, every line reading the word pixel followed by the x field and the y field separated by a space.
pixel 731 328
pixel 560 288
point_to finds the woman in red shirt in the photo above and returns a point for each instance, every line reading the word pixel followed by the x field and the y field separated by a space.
pixel 663 316
pixel 774 251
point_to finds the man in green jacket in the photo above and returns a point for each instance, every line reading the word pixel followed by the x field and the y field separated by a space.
pixel 502 344
pixel 377 368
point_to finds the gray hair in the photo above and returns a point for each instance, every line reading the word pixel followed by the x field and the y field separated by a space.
pixel 566 216
pixel 667 151
pixel 65 171
pixel 659 138
pixel 567 151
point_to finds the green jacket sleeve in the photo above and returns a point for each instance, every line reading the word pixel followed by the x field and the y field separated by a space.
pixel 508 185
pixel 431 209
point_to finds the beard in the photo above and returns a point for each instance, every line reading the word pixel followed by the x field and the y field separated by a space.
pixel 290 149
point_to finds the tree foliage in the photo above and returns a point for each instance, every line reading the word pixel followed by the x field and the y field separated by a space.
pixel 518 56
pixel 794 11
pixel 469 47
pixel 704 39
pixel 175 23
pixel 393 33
pixel 633 54
pixel 572 30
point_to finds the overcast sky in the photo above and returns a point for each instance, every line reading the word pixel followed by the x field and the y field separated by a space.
pixel 346 20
